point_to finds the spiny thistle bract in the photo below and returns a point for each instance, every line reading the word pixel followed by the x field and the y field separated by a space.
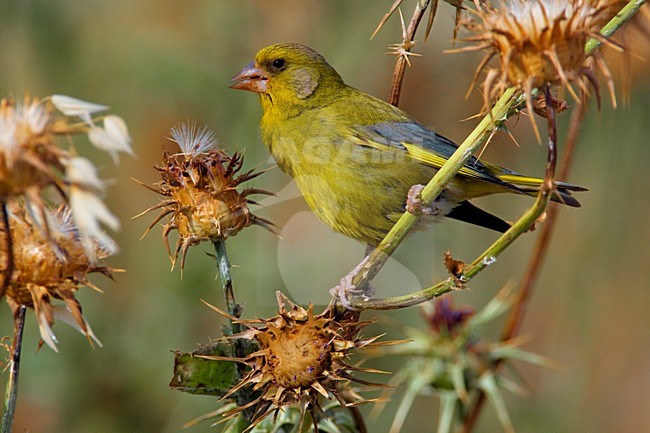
pixel 50 267
pixel 453 358
pixel 540 42
pixel 32 163
pixel 302 357
pixel 337 419
pixel 200 186
pixel 47 254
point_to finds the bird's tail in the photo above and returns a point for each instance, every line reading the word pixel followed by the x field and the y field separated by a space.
pixel 531 185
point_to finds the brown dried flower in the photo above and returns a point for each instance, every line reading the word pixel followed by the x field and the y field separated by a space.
pixel 32 162
pixel 301 358
pixel 200 186
pixel 49 267
pixel 540 42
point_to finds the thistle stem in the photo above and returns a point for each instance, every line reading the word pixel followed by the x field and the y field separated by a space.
pixel 407 44
pixel 499 113
pixel 232 307
pixel 615 23
pixel 8 269
pixel 11 392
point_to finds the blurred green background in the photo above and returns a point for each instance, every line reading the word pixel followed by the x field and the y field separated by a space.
pixel 160 62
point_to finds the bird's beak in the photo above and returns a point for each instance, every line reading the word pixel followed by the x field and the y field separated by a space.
pixel 251 78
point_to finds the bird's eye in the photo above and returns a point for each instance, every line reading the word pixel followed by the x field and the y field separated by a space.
pixel 278 63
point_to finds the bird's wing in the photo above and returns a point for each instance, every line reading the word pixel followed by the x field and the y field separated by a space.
pixel 426 146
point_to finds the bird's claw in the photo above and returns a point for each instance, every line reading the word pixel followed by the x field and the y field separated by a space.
pixel 414 203
pixel 347 290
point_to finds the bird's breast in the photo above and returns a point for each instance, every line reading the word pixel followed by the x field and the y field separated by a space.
pixel 355 190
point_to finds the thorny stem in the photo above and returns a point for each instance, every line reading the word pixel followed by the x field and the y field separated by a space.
pixel 406 45
pixel 11 392
pixel 8 269
pixel 432 190
pixel 233 308
pixel 515 318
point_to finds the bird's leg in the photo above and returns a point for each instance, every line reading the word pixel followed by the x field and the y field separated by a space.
pixel 414 203
pixel 346 287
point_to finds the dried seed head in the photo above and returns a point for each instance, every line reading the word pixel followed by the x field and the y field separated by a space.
pixel 200 186
pixel 539 42
pixel 31 160
pixel 297 356
pixel 25 143
pixel 301 357
pixel 48 268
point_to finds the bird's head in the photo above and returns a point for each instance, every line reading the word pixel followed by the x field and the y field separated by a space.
pixel 289 76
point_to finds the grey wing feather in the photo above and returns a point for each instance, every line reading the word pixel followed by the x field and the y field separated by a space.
pixel 396 133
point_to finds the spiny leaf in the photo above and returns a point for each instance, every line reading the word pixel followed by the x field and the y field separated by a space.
pixel 392 9
pixel 488 384
pixel 497 306
pixel 512 386
pixel 413 388
pixel 447 405
pixel 513 353
pixel 196 375
pixel 458 378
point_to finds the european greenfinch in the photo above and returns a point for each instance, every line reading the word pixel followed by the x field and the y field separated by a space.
pixel 355 158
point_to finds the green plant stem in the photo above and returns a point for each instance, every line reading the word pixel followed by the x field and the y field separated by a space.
pixel 232 307
pixel 432 190
pixel 615 23
pixel 11 392
pixel 224 272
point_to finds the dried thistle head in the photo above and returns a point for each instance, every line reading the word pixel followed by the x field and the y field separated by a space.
pixel 26 145
pixel 540 42
pixel 201 195
pixel 49 267
pixel 302 358
pixel 32 162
